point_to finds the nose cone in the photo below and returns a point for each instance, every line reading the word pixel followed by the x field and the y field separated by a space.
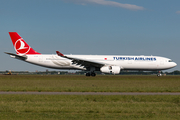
pixel 174 64
pixel 167 65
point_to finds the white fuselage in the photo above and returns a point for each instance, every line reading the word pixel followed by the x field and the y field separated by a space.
pixel 124 62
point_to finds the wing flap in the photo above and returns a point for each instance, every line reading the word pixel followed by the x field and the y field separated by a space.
pixel 82 62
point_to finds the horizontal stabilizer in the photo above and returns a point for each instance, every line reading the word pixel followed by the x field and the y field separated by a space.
pixel 21 57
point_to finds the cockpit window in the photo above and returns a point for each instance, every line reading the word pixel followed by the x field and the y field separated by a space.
pixel 169 60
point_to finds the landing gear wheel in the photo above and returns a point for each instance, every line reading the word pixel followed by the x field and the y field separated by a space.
pixel 159 74
pixel 93 74
pixel 88 74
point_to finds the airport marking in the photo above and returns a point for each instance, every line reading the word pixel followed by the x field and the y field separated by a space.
pixel 91 93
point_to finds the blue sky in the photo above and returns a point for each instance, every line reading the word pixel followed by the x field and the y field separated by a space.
pixel 113 27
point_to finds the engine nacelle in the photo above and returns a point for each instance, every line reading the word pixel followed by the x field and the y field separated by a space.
pixel 111 69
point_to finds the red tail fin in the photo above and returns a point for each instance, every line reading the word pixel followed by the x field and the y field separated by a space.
pixel 20 46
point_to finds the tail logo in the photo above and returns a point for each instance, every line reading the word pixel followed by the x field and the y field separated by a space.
pixel 21 47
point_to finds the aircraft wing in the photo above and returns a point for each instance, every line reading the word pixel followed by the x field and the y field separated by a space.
pixel 82 62
pixel 21 57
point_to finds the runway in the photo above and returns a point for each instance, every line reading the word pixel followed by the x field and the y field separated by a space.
pixel 89 93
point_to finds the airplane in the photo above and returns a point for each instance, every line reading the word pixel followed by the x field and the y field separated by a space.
pixel 112 64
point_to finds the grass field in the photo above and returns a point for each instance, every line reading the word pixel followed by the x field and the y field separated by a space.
pixel 54 107
pixel 89 107
pixel 75 83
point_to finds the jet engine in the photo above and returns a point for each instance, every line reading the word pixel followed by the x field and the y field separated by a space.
pixel 111 69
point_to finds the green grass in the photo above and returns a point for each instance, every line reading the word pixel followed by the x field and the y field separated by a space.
pixel 75 83
pixel 52 107
pixel 90 107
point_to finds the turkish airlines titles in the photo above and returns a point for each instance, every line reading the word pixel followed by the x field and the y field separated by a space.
pixel 135 58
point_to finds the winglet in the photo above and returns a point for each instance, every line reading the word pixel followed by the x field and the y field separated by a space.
pixel 59 54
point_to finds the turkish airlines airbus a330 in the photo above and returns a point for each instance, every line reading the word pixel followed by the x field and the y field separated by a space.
pixel 105 63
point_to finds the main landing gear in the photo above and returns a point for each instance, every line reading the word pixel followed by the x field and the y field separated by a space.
pixel 91 74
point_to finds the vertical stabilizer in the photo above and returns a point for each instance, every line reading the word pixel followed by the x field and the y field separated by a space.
pixel 20 46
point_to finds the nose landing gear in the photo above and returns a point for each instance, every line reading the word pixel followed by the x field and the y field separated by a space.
pixel 159 74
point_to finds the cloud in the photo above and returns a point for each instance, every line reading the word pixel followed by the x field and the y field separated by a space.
pixel 107 3
pixel 178 12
